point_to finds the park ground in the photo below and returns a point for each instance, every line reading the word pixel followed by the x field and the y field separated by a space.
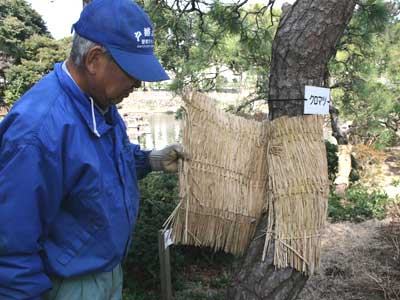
pixel 360 261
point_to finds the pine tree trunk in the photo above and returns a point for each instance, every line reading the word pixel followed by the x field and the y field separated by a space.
pixel 305 41
pixel 260 280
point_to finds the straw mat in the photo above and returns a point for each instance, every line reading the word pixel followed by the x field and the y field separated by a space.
pixel 298 185
pixel 223 185
pixel 238 170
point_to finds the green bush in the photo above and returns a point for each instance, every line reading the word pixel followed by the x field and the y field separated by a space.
pixel 331 152
pixel 159 197
pixel 387 138
pixel 358 205
pixel 40 55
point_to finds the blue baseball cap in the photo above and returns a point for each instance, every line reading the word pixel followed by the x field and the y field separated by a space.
pixel 125 30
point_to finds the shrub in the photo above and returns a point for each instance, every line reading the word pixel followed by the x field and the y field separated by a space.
pixel 333 161
pixel 159 197
pixel 386 138
pixel 358 205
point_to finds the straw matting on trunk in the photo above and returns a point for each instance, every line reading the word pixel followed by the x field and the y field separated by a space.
pixel 223 185
pixel 238 170
pixel 298 181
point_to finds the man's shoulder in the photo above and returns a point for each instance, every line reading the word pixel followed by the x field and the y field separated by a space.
pixel 44 107
pixel 38 101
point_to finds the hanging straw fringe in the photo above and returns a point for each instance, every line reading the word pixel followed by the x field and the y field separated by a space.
pixel 222 186
pixel 299 191
pixel 238 169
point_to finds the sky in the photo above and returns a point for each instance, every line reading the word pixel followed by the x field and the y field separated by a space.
pixel 59 15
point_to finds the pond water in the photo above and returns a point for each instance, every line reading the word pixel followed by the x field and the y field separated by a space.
pixel 163 130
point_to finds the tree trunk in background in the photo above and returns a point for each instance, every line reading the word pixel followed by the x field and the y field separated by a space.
pixel 305 41
pixel 342 180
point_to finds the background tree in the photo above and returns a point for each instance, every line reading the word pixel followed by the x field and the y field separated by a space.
pixel 365 74
pixel 40 53
pixel 27 50
pixel 18 21
pixel 199 44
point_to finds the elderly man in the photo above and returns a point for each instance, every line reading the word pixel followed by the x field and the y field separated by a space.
pixel 69 197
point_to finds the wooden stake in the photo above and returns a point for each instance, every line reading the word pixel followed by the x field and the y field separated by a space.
pixel 165 267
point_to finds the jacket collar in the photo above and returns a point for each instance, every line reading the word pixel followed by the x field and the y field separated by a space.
pixel 82 103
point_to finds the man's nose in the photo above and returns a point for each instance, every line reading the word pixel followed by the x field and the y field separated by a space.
pixel 136 83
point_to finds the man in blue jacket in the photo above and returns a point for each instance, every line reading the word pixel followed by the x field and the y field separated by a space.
pixel 69 197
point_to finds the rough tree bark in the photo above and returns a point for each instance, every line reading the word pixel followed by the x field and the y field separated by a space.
pixel 305 41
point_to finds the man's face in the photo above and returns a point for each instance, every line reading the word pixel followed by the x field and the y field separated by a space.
pixel 111 84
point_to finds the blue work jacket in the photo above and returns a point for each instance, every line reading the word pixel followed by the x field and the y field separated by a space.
pixel 69 197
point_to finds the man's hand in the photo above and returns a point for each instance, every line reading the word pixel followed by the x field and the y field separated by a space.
pixel 166 159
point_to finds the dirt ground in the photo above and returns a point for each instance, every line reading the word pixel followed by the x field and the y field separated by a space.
pixel 362 261
pixel 380 169
pixel 359 261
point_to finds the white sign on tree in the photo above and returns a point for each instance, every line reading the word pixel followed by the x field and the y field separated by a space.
pixel 317 100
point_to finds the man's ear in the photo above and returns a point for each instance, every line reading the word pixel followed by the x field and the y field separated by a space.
pixel 93 59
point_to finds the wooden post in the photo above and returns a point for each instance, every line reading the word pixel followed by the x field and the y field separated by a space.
pixel 165 266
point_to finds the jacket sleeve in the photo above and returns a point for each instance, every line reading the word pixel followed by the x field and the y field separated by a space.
pixel 28 197
pixel 142 162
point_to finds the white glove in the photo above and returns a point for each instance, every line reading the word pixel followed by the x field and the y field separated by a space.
pixel 166 159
